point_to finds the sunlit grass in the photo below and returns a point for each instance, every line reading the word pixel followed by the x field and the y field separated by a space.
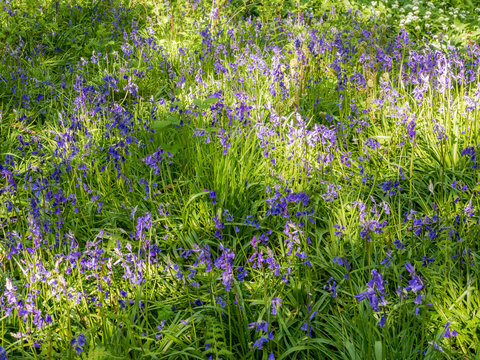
pixel 181 182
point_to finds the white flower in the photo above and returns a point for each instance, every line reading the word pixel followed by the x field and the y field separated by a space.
pixel 417 28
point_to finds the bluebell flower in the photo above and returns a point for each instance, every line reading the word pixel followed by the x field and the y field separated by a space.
pixel 79 343
pixel 307 328
pixel 416 283
pixel 375 292
pixel 447 333
pixel 160 328
pixel 381 323
pixel 3 354
pixel 276 301
pixel 331 287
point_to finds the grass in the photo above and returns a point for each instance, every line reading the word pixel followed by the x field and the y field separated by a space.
pixel 185 181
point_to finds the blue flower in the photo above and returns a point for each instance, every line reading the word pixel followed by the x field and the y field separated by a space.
pixel 3 354
pixel 382 321
pixel 80 341
pixel 447 333
pixel 416 283
pixel 307 328
pixel 276 301
pixel 375 291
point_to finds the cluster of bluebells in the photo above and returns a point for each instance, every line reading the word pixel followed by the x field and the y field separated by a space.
pixel 262 328
pixel 375 294
pixel 68 192
pixel 79 342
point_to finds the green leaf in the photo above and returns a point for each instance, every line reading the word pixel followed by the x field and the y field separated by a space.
pixel 351 350
pixel 102 353
pixel 211 100
pixel 204 104
pixel 378 350
pixel 162 124
pixel 193 197
pixel 172 149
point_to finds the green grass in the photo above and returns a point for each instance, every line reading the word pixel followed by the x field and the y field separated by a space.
pixel 142 139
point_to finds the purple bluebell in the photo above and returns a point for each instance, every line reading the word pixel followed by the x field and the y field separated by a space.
pixel 79 343
pixel 276 303
pixel 375 292
pixel 447 333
